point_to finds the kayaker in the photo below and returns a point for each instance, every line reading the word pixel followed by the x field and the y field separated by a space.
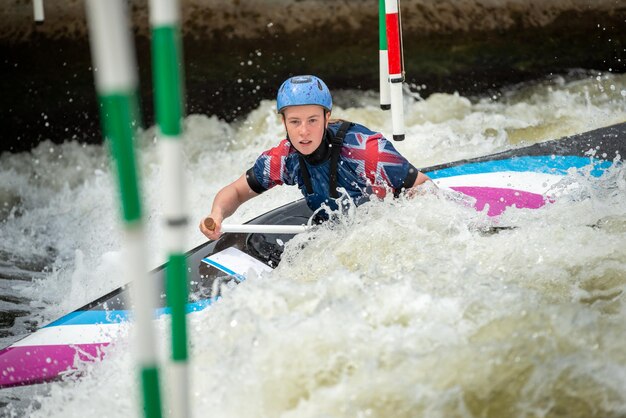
pixel 329 160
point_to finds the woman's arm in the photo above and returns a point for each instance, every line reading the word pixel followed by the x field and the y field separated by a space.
pixel 226 203
pixel 420 179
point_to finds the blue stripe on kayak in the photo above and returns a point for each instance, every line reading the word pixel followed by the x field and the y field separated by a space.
pixel 118 316
pixel 557 165
pixel 223 268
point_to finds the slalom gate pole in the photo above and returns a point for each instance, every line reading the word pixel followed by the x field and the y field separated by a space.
pixel 385 99
pixel 38 13
pixel 396 66
pixel 116 84
pixel 169 108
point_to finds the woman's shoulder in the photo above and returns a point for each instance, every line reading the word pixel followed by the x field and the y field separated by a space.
pixel 355 127
pixel 283 149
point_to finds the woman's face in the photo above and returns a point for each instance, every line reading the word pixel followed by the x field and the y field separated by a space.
pixel 305 126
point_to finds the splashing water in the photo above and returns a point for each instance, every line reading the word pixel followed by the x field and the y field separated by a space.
pixel 404 308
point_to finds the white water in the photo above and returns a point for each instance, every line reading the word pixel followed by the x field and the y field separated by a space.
pixel 402 310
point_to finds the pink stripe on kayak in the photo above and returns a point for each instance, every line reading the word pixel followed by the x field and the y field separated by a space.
pixel 499 199
pixel 37 364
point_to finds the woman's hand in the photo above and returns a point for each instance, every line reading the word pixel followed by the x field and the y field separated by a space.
pixel 211 227
pixel 226 202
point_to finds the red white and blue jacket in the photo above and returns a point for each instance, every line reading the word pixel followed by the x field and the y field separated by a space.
pixel 368 164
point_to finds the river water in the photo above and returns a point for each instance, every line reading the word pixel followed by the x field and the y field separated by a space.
pixel 401 309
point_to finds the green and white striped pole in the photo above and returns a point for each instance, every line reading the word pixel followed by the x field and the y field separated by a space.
pixel 385 95
pixel 116 83
pixel 169 108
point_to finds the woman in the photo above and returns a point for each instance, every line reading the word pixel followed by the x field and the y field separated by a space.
pixel 328 160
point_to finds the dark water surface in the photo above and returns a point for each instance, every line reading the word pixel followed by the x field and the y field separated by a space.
pixel 47 83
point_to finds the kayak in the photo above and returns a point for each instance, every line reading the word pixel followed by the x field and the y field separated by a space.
pixel 523 177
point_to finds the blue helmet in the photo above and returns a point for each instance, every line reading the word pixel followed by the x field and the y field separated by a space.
pixel 303 90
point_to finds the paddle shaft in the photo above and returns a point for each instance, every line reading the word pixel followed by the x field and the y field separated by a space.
pixel 209 223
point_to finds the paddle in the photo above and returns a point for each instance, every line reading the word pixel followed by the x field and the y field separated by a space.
pixel 209 223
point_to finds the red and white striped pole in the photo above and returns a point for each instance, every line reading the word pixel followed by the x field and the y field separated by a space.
pixel 396 66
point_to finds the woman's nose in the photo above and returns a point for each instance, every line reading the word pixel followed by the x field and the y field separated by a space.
pixel 303 129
